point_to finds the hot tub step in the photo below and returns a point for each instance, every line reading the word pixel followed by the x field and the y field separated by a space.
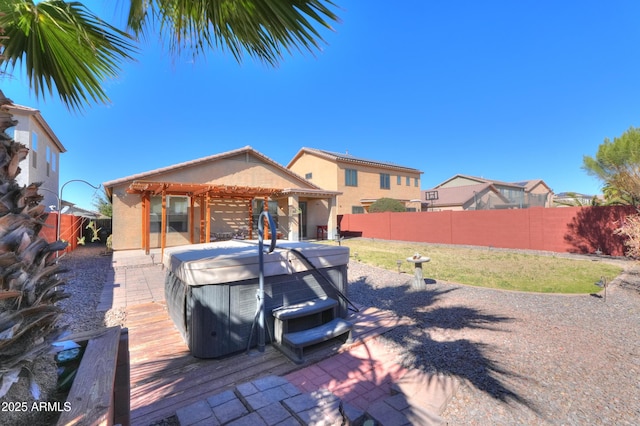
pixel 294 343
pixel 318 334
pixel 304 309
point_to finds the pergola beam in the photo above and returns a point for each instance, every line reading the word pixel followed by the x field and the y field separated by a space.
pixel 206 193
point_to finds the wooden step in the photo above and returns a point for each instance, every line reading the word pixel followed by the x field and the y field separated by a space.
pixel 299 310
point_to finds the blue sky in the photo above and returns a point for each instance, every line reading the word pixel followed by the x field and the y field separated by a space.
pixel 508 90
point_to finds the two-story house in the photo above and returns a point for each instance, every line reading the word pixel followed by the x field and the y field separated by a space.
pixel 361 181
pixel 43 160
pixel 462 192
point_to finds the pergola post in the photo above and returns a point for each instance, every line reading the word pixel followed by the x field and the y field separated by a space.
pixel 202 213
pixel 265 208
pixel 192 224
pixel 146 222
pixel 163 225
pixel 250 219
pixel 207 235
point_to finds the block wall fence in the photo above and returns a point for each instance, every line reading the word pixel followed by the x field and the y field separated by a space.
pixel 71 228
pixel 566 229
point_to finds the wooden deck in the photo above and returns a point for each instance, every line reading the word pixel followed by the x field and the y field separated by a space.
pixel 166 377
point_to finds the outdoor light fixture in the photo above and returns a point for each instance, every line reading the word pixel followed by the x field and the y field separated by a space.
pixel 603 284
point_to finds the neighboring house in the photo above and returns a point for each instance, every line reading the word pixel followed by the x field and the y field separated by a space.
pixel 466 197
pixel 537 193
pixel 43 160
pixel 567 199
pixel 463 192
pixel 360 181
pixel 216 197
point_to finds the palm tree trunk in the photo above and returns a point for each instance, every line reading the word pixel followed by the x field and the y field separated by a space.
pixel 29 282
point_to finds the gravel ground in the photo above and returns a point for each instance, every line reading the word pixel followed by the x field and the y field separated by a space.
pixel 521 358
pixel 87 270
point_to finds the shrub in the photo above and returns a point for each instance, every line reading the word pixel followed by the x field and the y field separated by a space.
pixel 631 229
pixel 387 205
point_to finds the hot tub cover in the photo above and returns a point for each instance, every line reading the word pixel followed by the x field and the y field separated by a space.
pixel 230 261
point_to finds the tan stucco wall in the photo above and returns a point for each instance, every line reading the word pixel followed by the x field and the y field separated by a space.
pixel 126 221
pixel 369 187
pixel 331 175
pixel 24 133
pixel 324 172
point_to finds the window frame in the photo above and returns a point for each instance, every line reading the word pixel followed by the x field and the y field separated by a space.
pixel 34 149
pixel 173 218
pixel 385 181
pixel 351 177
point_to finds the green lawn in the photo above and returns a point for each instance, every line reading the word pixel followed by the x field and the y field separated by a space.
pixel 485 267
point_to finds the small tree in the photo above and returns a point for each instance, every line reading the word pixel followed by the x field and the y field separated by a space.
pixel 103 205
pixel 617 165
pixel 631 229
pixel 387 205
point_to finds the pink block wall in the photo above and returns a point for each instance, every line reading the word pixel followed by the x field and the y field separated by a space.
pixel 567 229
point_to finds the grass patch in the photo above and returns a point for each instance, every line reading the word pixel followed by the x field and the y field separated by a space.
pixel 484 267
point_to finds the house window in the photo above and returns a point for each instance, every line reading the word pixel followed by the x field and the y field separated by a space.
pixel 177 214
pixel 351 177
pixel 408 181
pixel 34 149
pixel 48 151
pixel 54 160
pixel 399 182
pixel 357 209
pixel 385 181
pixel 416 182
pixel 308 176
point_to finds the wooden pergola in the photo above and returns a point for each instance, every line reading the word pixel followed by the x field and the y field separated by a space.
pixel 204 193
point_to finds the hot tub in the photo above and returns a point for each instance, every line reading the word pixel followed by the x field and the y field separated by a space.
pixel 211 288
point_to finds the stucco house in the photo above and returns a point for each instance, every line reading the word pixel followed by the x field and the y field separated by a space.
pixel 43 160
pixel 462 192
pixel 360 181
pixel 216 197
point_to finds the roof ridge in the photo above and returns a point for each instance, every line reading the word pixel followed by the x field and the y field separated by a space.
pixel 352 158
pixel 221 155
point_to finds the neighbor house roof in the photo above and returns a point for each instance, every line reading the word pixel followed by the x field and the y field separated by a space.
pixel 348 158
pixel 145 176
pixel 459 195
pixel 479 180
pixel 530 184
pixel 20 109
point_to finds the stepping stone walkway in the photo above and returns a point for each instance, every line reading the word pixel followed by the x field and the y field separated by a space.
pixel 273 400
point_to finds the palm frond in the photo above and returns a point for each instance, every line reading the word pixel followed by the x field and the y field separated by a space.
pixel 63 46
pixel 263 29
